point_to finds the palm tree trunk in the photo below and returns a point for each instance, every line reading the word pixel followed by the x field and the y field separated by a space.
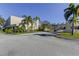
pixel 72 27
pixel 73 23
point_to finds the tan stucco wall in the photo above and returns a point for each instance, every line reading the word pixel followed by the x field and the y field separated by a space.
pixel 15 20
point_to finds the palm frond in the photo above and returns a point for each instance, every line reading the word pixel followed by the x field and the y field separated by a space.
pixel 67 14
pixel 67 9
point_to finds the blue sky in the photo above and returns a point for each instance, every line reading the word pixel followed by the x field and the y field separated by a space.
pixel 54 12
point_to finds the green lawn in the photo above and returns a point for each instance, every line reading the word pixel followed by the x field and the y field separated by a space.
pixel 68 35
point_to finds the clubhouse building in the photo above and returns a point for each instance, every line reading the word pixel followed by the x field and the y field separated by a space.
pixel 13 21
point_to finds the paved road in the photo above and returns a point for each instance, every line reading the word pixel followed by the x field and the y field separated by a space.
pixel 37 44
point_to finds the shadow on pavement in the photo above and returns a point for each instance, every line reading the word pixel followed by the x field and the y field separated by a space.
pixel 45 34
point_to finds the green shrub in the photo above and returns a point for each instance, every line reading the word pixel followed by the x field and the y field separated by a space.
pixel 8 30
pixel 21 29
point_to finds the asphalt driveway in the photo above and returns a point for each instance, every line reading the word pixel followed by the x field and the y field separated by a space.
pixel 37 44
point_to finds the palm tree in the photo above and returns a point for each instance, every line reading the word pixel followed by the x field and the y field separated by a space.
pixel 37 18
pixel 72 10
pixel 25 20
pixel 2 21
pixel 28 21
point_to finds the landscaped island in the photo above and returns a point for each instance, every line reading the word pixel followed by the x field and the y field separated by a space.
pixel 24 24
pixel 72 22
